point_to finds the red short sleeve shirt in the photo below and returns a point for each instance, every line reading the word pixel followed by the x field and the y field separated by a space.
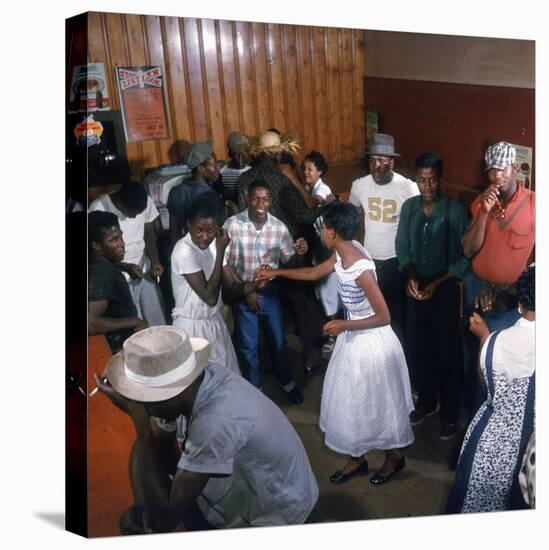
pixel 508 242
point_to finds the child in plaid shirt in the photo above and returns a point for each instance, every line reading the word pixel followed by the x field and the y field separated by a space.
pixel 259 239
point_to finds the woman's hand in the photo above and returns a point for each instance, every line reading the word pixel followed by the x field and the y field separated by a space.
pixel 264 273
pixel 222 240
pixel 335 327
pixel 478 326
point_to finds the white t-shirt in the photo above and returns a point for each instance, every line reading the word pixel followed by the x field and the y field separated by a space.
pixel 188 258
pixel 381 205
pixel 133 229
pixel 320 189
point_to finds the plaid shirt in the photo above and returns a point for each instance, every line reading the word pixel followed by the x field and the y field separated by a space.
pixel 250 248
pixel 288 205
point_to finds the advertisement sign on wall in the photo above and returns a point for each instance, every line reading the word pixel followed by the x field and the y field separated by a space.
pixel 142 102
pixel 89 91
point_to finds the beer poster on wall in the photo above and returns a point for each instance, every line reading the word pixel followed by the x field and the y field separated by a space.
pixel 142 102
pixel 89 90
pixel 524 165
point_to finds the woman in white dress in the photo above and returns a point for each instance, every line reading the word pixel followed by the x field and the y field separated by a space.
pixel 197 264
pixel 366 398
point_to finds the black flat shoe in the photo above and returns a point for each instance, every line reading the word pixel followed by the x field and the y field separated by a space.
pixel 312 370
pixel 340 477
pixel 378 479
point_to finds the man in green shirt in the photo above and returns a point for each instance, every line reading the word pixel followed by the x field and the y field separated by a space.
pixel 429 252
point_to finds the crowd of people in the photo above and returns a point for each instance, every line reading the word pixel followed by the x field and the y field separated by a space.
pixel 422 307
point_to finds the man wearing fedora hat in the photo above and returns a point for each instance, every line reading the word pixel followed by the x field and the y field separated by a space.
pixel 200 158
pixel 241 463
pixel 380 196
pixel 500 240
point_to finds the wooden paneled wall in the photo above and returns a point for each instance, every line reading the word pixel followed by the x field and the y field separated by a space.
pixel 223 76
pixel 457 121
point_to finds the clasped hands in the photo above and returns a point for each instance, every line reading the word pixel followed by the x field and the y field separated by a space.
pixel 412 290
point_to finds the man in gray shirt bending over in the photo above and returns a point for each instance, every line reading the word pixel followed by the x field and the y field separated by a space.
pixel 241 463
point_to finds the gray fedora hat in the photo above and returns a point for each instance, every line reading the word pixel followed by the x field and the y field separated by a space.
pixel 382 145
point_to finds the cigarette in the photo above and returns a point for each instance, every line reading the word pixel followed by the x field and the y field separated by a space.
pixel 96 389
pixel 158 279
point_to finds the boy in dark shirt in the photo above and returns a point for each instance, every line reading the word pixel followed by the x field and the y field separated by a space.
pixel 111 310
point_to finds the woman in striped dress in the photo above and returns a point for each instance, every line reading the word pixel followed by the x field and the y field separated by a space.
pixel 366 398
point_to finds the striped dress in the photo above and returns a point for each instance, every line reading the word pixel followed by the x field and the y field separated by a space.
pixel 366 398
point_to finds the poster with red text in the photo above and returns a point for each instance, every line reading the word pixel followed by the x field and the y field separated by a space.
pixel 142 102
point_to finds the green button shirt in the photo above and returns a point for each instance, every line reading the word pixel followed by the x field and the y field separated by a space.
pixel 432 245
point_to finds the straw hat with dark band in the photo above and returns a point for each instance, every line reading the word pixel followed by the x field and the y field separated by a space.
pixel 157 363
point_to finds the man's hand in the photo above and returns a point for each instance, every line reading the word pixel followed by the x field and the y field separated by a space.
pixel 335 327
pixel 300 246
pixel 330 198
pixel 130 407
pixel 253 301
pixel 156 269
pixel 485 299
pixel 412 288
pixel 133 270
pixel 478 326
pixel 428 291
pixel 490 197
pixel 264 274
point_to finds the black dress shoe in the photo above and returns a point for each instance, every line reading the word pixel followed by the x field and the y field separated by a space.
pixel 378 479
pixel 340 477
pixel 295 396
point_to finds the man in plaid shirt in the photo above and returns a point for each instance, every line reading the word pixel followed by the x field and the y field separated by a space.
pixel 290 208
pixel 260 239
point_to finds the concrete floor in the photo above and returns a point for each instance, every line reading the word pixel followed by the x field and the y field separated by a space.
pixel 420 489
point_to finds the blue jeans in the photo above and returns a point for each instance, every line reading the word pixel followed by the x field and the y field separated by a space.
pixel 495 321
pixel 247 333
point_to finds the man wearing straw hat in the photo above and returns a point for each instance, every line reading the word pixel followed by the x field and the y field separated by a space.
pixel 289 207
pixel 241 463
pixel 380 196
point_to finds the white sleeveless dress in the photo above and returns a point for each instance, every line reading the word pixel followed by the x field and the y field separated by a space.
pixel 366 398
